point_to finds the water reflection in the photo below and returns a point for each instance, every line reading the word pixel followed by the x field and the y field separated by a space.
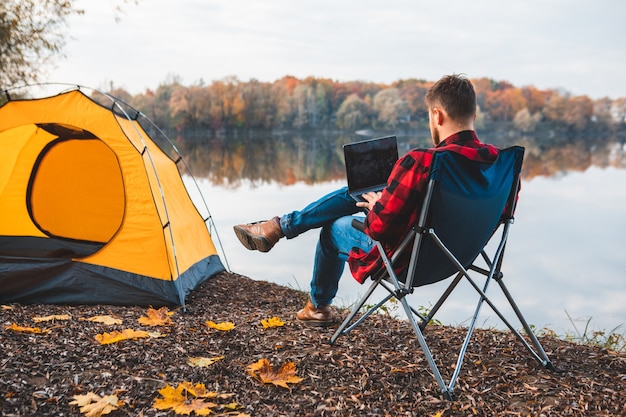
pixel 317 156
pixel 565 253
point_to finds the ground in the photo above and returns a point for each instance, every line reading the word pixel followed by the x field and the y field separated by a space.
pixel 376 370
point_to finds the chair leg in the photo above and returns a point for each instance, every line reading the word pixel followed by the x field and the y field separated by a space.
pixel 344 327
pixel 440 301
pixel 541 357
pixel 539 353
pixel 445 389
pixel 470 332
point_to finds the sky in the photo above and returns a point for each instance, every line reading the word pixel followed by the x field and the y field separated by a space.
pixel 576 46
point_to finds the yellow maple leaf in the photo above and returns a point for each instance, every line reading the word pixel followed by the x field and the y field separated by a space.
pixel 104 320
pixel 202 362
pixel 52 318
pixel 272 322
pixel 32 330
pixel 176 399
pixel 114 337
pixel 197 405
pixel 170 395
pixel 263 371
pixel 160 317
pixel 224 326
pixel 92 405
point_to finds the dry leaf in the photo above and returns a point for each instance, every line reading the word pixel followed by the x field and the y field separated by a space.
pixel 92 405
pixel 202 362
pixel 530 387
pixel 5 307
pixel 22 329
pixel 196 405
pixel 224 326
pixel 171 397
pixel 160 317
pixel 178 399
pixel 104 320
pixel 52 318
pixel 263 371
pixel 272 322
pixel 200 391
pixel 114 337
pixel 233 406
pixel 81 400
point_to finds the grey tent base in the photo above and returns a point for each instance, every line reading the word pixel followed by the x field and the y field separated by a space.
pixel 64 281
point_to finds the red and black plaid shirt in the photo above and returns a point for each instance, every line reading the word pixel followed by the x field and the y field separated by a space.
pixel 399 206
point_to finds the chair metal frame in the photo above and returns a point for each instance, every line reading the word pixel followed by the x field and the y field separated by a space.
pixel 399 288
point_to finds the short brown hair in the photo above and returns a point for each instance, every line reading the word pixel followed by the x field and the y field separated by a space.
pixel 455 93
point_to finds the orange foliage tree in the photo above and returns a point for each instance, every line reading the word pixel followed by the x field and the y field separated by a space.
pixel 314 103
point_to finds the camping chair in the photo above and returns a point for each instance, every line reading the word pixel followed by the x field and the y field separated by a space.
pixel 466 203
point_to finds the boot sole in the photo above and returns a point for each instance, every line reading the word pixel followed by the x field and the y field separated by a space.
pixel 316 323
pixel 252 242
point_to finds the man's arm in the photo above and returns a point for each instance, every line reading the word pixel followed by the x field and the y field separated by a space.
pixel 395 210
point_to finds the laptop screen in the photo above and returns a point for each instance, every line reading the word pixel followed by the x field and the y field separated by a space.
pixel 369 162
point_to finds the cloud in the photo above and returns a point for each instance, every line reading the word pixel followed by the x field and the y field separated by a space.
pixel 574 45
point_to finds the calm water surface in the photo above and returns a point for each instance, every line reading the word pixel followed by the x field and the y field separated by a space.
pixel 566 256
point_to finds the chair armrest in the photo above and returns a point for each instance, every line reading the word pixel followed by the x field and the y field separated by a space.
pixel 358 225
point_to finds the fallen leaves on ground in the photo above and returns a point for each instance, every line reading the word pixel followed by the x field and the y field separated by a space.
pixel 160 317
pixel 24 329
pixel 53 317
pixel 263 371
pixel 224 326
pixel 93 405
pixel 188 398
pixel 118 336
pixel 103 319
pixel 202 362
pixel 377 369
pixel 272 322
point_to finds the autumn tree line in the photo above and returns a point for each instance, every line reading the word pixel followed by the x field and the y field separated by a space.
pixel 319 103
pixel 33 35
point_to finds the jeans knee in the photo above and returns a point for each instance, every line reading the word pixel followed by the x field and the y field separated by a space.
pixel 326 238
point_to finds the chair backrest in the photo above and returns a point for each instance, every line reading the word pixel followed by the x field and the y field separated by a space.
pixel 467 204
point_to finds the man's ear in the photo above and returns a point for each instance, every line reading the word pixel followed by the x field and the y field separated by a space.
pixel 438 116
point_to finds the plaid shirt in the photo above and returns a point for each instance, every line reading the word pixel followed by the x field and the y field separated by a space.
pixel 399 206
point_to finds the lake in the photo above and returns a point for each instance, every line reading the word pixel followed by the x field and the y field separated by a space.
pixel 565 260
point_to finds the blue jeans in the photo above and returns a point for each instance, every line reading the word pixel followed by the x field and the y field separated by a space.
pixel 333 213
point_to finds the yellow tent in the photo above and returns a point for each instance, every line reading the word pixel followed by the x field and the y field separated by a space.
pixel 92 210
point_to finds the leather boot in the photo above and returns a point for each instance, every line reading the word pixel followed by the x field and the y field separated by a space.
pixel 321 316
pixel 261 236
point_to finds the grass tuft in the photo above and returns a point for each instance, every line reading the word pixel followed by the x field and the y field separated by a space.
pixel 614 340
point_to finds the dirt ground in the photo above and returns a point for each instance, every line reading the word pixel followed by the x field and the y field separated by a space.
pixel 376 370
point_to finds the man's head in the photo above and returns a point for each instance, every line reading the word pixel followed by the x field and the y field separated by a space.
pixel 451 105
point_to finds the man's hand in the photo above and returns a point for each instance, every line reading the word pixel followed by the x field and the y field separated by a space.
pixel 370 199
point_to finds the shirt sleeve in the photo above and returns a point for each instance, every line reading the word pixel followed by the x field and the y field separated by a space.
pixel 400 202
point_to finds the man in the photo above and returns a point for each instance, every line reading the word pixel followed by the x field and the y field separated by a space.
pixel 390 214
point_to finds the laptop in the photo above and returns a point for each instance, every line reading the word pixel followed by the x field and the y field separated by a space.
pixel 368 164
